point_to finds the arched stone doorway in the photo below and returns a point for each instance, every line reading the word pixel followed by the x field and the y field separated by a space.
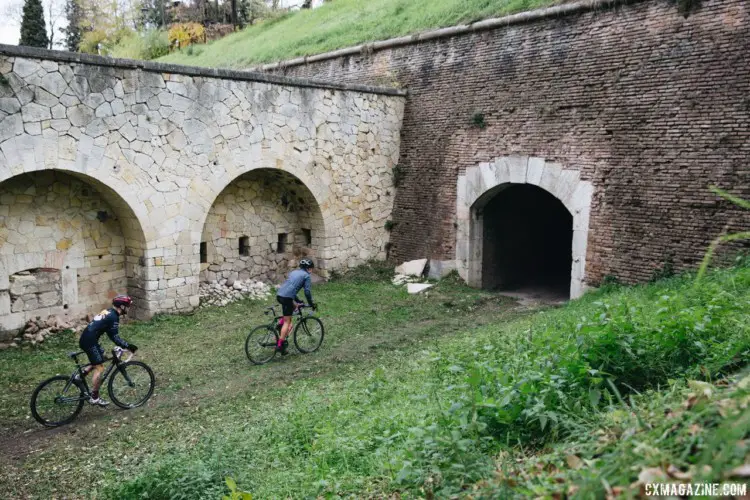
pixel 259 227
pixel 68 244
pixel 512 189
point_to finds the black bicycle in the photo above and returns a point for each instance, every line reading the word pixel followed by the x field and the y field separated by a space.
pixel 58 400
pixel 260 345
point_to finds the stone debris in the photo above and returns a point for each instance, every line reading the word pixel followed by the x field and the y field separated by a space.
pixel 411 274
pixel 402 279
pixel 225 291
pixel 413 288
pixel 36 331
pixel 412 268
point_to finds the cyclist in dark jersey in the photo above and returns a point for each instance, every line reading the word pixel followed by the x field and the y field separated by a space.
pixel 287 297
pixel 107 321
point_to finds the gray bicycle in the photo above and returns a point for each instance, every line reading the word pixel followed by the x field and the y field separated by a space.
pixel 59 399
pixel 260 345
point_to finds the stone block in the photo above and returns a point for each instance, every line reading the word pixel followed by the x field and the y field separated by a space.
pixel 440 268
pixel 412 268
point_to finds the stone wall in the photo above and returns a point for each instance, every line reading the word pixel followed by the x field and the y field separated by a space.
pixel 260 206
pixel 646 103
pixel 35 289
pixel 161 142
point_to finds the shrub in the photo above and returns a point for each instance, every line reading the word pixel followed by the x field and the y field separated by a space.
pixel 184 34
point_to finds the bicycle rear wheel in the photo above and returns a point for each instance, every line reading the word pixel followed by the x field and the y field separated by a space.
pixel 308 335
pixel 260 345
pixel 131 385
pixel 56 401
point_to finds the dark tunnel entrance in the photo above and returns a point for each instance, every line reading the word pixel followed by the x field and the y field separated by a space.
pixel 527 242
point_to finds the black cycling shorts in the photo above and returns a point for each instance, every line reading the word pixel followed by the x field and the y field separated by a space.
pixel 95 353
pixel 287 305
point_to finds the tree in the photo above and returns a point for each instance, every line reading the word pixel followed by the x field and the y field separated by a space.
pixel 73 33
pixel 33 28
pixel 55 12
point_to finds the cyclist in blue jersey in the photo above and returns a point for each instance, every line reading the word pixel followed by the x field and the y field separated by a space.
pixel 107 321
pixel 287 297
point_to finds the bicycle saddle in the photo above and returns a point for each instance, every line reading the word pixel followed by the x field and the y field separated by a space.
pixel 74 354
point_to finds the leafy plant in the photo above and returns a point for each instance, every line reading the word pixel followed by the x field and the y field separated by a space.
pixel 234 492
pixel 477 120
pixel 665 271
pixel 389 225
pixel 398 175
pixel 725 238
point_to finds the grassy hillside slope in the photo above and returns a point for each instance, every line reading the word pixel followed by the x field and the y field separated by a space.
pixel 342 23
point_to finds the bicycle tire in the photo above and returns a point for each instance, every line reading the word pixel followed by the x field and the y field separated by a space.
pixel 304 348
pixel 261 336
pixel 129 372
pixel 76 406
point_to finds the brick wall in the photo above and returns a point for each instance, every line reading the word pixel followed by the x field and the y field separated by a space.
pixel 651 106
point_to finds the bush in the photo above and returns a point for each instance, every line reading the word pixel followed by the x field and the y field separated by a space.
pixel 149 45
pixel 548 381
pixel 184 34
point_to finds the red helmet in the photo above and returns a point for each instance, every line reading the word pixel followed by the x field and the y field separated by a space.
pixel 122 300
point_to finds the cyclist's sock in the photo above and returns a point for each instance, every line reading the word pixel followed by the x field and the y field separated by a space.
pixel 95 394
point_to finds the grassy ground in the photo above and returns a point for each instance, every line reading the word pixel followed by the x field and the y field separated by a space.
pixel 206 388
pixel 339 24
pixel 454 393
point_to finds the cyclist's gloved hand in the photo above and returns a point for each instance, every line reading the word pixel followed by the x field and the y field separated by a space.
pixel 132 348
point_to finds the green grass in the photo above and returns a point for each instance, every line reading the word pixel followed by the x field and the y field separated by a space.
pixel 342 23
pixel 449 393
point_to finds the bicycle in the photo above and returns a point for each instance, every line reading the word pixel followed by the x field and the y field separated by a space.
pixel 260 345
pixel 59 399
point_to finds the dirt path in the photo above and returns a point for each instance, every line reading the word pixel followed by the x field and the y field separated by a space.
pixel 20 441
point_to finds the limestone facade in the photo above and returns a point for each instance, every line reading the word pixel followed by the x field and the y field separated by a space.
pixel 156 145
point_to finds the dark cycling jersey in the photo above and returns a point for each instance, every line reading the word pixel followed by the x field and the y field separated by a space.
pixel 107 321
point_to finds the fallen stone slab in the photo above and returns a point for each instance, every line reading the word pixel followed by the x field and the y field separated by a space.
pixel 412 268
pixel 413 288
pixel 440 268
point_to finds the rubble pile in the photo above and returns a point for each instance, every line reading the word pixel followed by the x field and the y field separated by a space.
pixel 38 330
pixel 225 291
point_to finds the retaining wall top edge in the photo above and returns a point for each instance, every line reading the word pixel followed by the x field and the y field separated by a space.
pixel 246 75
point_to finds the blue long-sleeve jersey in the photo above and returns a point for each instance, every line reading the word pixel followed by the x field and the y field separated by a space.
pixel 297 279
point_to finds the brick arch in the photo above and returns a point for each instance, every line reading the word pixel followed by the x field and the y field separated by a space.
pixel 481 182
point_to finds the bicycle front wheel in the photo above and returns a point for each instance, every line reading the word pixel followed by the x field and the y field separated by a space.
pixel 260 345
pixel 308 335
pixel 56 401
pixel 131 385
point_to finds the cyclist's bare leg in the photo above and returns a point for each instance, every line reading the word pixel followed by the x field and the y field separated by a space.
pixel 286 328
pixel 96 382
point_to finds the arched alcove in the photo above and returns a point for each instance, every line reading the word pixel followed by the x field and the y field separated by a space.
pixel 259 226
pixel 68 244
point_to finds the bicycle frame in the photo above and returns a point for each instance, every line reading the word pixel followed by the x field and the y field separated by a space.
pixel 116 361
pixel 297 312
